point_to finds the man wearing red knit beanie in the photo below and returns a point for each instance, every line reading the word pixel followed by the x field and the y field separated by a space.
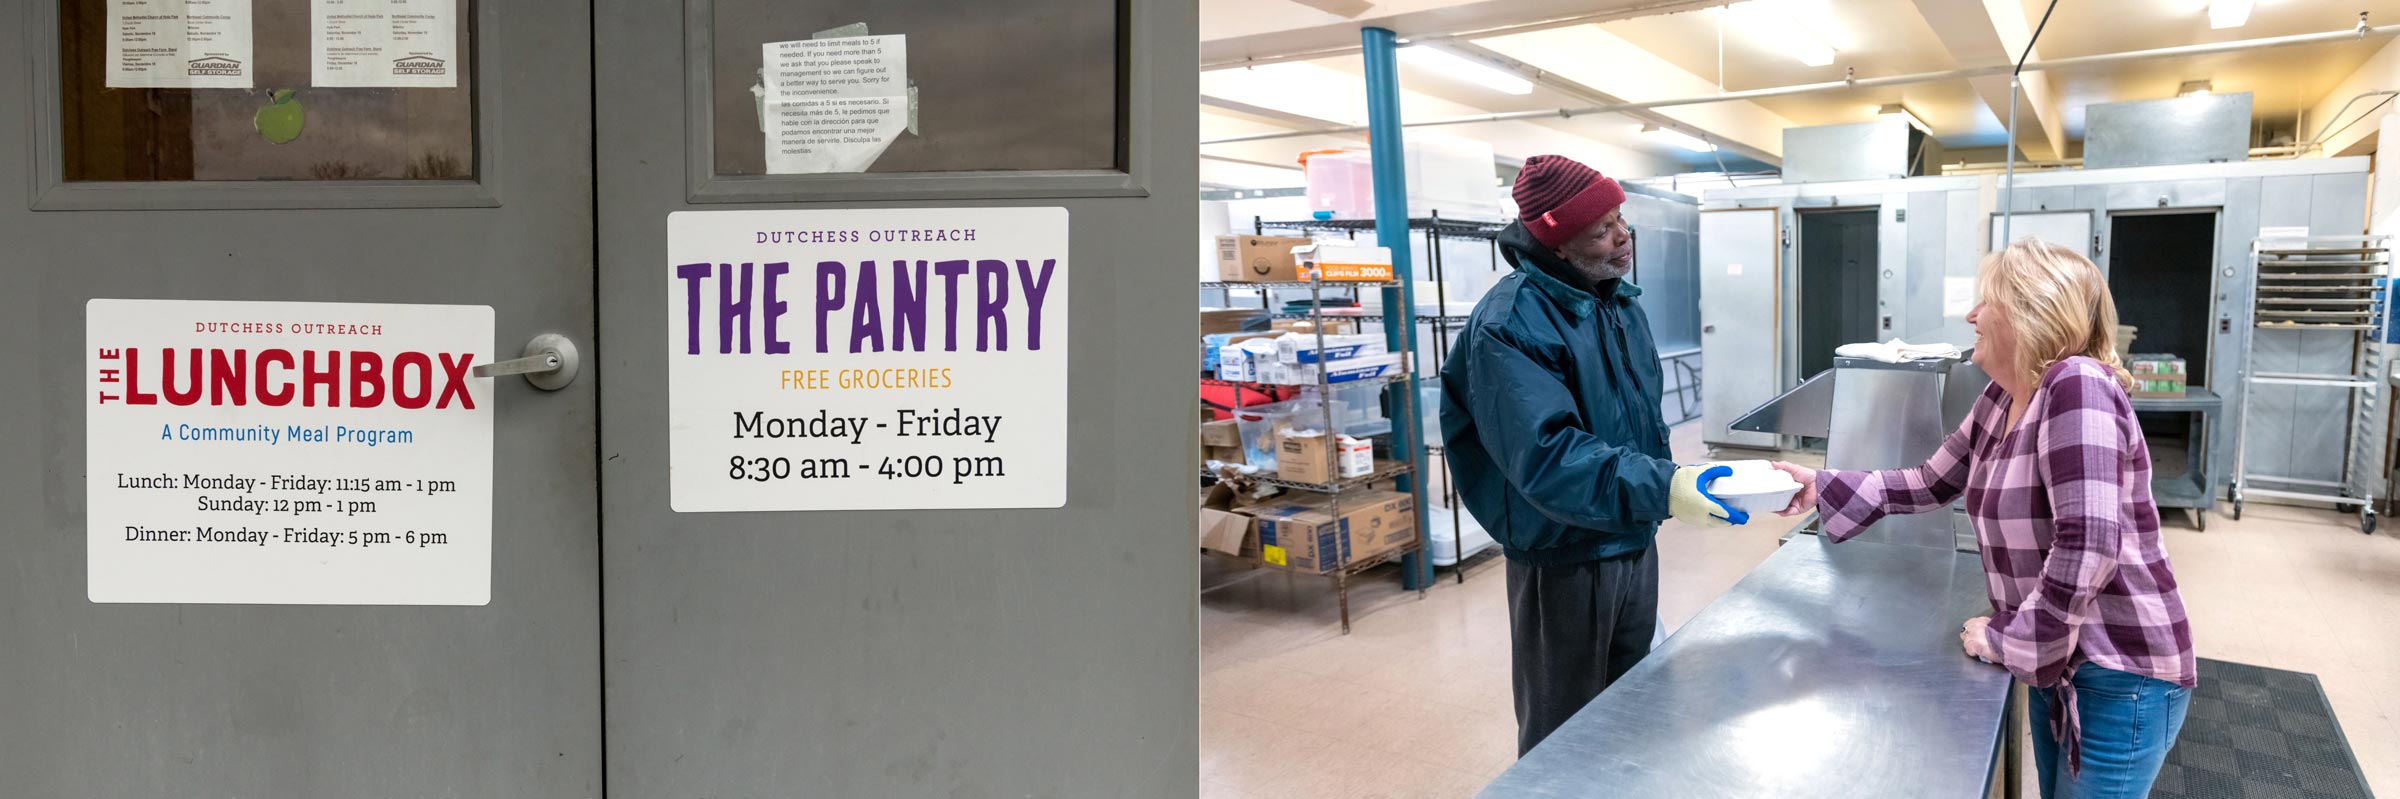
pixel 1550 413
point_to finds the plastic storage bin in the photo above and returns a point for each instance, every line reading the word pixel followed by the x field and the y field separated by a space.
pixel 1258 424
pixel 1343 183
pixel 1362 409
pixel 1452 176
pixel 1429 409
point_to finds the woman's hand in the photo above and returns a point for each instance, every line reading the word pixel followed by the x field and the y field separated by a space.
pixel 1806 500
pixel 1972 638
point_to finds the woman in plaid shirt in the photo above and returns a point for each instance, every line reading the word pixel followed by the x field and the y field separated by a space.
pixel 2056 478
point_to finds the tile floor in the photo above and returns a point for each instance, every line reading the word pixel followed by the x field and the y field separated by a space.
pixel 1415 701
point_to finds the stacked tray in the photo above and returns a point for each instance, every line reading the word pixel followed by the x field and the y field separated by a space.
pixel 2328 288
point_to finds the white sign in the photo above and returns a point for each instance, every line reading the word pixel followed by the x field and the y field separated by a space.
pixel 406 43
pixel 833 105
pixel 867 359
pixel 287 453
pixel 179 44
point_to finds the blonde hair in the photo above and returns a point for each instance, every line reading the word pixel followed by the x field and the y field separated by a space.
pixel 2057 302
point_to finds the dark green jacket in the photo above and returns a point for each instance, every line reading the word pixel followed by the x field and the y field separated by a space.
pixel 1550 414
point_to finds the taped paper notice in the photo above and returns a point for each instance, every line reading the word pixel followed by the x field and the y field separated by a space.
pixel 385 43
pixel 833 105
pixel 179 44
pixel 1958 296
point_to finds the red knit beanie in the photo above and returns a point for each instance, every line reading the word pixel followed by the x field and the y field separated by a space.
pixel 1558 198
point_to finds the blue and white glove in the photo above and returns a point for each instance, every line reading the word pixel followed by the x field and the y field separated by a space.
pixel 1689 501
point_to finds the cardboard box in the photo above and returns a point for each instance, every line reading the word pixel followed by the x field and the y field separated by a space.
pixel 1257 259
pixel 1334 263
pixel 1225 523
pixel 1304 456
pixel 1220 434
pixel 1380 521
pixel 1232 454
pixel 2158 376
pixel 1308 536
pixel 1226 320
pixel 1225 531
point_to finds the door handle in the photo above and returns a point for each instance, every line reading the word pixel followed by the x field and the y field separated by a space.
pixel 550 363
pixel 1708 329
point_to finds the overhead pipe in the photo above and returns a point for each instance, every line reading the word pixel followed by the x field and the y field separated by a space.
pixel 1645 10
pixel 2319 140
pixel 2362 30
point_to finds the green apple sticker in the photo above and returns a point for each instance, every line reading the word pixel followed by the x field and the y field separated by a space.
pixel 281 120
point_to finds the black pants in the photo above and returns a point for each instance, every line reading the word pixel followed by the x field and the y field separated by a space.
pixel 1574 630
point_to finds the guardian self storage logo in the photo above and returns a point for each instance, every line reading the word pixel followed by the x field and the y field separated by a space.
pixel 420 65
pixel 214 65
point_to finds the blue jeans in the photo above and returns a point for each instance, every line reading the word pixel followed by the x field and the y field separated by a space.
pixel 2129 723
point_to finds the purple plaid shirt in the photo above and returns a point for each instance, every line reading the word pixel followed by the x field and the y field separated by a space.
pixel 2061 506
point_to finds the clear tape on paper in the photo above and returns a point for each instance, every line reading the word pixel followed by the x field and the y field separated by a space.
pixel 860 29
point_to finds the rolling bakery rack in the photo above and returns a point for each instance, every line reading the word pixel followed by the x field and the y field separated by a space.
pixel 2317 284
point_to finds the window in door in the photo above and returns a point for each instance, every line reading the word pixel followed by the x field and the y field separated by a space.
pixel 276 116
pixel 981 87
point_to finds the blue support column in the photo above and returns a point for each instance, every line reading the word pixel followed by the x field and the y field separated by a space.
pixel 1399 304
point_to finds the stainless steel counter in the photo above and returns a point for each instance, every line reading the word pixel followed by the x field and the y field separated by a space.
pixel 1830 671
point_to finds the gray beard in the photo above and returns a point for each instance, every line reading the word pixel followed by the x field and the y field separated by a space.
pixel 1600 271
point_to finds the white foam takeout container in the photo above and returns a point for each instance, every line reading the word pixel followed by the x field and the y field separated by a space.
pixel 1754 487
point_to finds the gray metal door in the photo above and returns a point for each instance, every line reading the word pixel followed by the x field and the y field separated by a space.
pixel 206 194
pixel 970 653
pixel 1740 314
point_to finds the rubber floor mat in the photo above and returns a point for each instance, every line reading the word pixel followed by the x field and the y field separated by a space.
pixel 2259 733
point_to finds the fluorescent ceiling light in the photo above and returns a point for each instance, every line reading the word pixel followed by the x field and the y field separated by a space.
pixel 1679 138
pixel 2224 14
pixel 1466 69
pixel 1299 88
pixel 1809 51
pixel 1901 111
pixel 1772 22
pixel 2193 87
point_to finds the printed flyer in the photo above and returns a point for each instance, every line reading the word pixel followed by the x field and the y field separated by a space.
pixel 867 359
pixel 288 453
